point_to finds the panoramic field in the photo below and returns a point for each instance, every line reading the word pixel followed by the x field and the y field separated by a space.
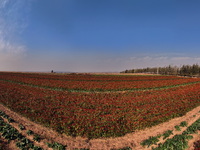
pixel 89 107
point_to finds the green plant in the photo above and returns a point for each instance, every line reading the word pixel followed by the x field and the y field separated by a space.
pixel 21 127
pixel 178 142
pixel 24 143
pixel 150 141
pixel 29 132
pixel 10 120
pixel 4 115
pixel 183 124
pixel 37 148
pixel 9 133
pixel 36 138
pixel 193 128
pixel 167 134
pixel 56 146
pixel 177 128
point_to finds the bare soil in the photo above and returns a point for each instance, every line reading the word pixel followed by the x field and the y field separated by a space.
pixel 131 140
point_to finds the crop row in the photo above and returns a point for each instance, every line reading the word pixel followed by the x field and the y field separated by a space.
pixel 22 142
pixel 88 77
pixel 10 133
pixel 179 141
pixel 95 115
pixel 153 140
pixel 90 85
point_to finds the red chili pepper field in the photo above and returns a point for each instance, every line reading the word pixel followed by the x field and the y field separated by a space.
pixel 96 106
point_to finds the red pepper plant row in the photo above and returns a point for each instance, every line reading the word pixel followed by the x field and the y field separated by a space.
pixel 96 115
pixel 87 77
pixel 96 83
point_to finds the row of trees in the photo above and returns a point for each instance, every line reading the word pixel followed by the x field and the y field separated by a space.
pixel 185 70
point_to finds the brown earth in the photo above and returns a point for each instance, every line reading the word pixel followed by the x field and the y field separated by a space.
pixel 131 140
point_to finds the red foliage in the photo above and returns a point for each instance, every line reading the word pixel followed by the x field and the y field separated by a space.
pixel 98 114
pixel 197 145
pixel 95 82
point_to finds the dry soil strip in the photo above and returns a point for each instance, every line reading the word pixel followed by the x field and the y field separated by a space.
pixel 131 140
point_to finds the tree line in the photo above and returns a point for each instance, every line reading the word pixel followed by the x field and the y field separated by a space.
pixel 184 70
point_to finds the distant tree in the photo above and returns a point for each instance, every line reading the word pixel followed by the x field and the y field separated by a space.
pixel 185 70
pixel 195 69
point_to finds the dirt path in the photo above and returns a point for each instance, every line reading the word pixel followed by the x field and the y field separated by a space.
pixel 131 140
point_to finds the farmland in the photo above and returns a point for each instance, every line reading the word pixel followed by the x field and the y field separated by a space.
pixel 98 106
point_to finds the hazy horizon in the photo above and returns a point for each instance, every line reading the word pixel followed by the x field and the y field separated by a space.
pixel 97 36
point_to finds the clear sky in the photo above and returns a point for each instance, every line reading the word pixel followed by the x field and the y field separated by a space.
pixel 98 35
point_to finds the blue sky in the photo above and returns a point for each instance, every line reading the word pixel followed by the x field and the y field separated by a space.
pixel 97 35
